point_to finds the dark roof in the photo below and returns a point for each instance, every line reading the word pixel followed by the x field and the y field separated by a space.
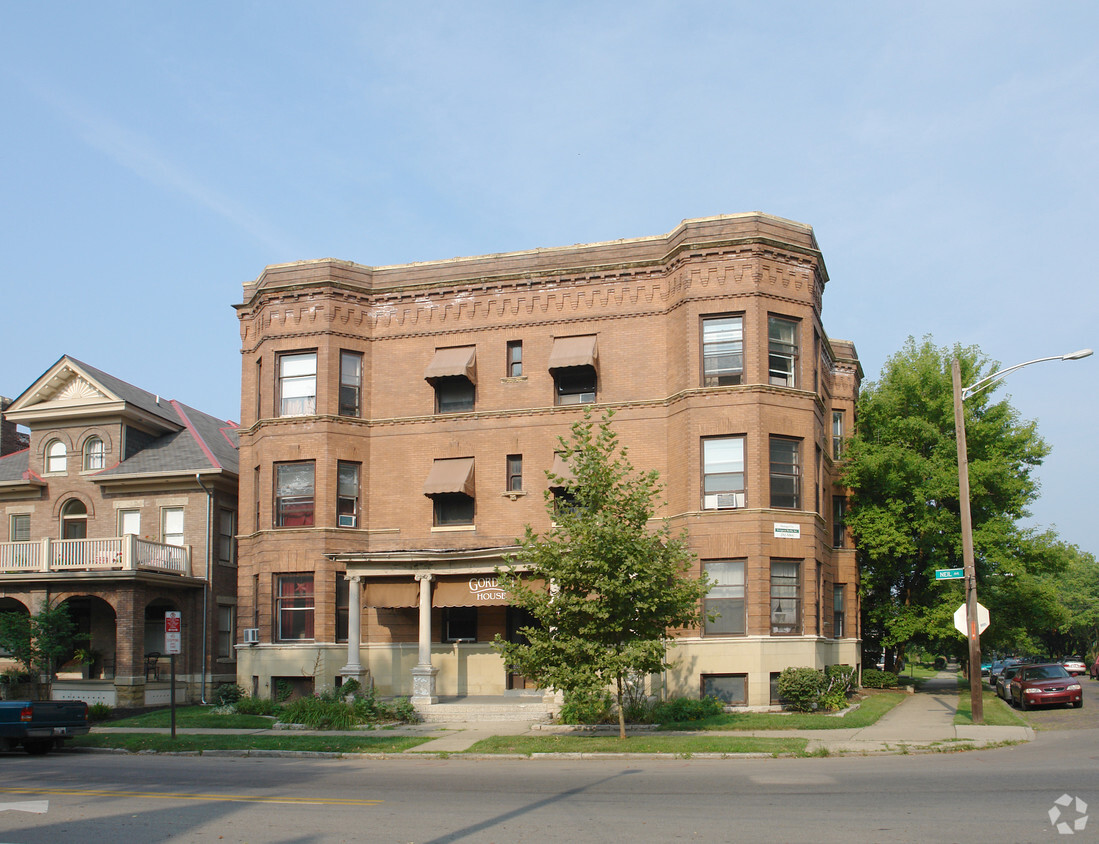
pixel 128 392
pixel 14 465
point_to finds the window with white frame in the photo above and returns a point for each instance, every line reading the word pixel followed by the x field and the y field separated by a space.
pixel 722 350
pixel 351 382
pixel 347 494
pixel 837 434
pixel 57 457
pixel 298 384
pixel 782 351
pixel 785 597
pixel 21 527
pixel 723 473
pixel 171 525
pixel 724 603
pixel 294 485
pixel 294 606
pixel 785 473
pixel 94 454
pixel 838 611
pixel 839 517
pixel 129 522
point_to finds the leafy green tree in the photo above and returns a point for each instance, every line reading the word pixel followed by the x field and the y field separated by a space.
pixel 605 586
pixel 902 468
pixel 38 642
pixel 1076 592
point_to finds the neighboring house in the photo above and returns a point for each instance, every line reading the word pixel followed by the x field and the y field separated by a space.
pixel 123 506
pixel 398 423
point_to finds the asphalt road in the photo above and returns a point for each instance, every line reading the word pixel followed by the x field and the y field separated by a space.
pixel 1004 794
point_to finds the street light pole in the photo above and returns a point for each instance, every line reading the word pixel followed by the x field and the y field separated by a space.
pixel 972 631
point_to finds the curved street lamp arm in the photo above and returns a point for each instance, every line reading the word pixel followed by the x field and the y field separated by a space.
pixel 997 377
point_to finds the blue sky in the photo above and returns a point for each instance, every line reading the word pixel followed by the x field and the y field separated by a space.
pixel 156 156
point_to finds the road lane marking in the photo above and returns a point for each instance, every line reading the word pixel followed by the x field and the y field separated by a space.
pixel 171 795
pixel 38 807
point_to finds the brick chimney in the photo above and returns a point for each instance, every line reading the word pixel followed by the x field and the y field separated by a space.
pixel 10 438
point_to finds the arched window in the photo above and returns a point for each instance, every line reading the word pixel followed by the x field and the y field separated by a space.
pixel 93 453
pixel 56 457
pixel 74 520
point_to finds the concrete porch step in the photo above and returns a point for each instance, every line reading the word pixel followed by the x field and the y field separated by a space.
pixel 473 712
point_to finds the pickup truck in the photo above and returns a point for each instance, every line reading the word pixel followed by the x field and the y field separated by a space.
pixel 41 725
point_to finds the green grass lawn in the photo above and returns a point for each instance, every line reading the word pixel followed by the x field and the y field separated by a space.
pixel 312 743
pixel 678 744
pixel 192 716
pixel 997 712
pixel 871 708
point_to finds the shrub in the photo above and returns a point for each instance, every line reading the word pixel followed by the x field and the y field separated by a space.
pixel 227 694
pixel 678 709
pixel 319 714
pixel 256 706
pixel 587 706
pixel 872 678
pixel 940 663
pixel 801 688
pixel 99 712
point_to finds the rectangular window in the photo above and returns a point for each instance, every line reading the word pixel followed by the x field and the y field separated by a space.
pixel 839 516
pixel 785 475
pixel 227 537
pixel 298 384
pixel 452 508
pixel 171 525
pixel 723 473
pixel 343 607
pixel 294 607
pixel 460 624
pixel 728 688
pixel 782 351
pixel 259 388
pixel 838 613
pixel 456 394
pixel 129 523
pixel 575 385
pixel 294 494
pixel 785 597
pixel 837 434
pixel 724 603
pixel 515 473
pixel 776 697
pixel 351 383
pixel 226 631
pixel 515 358
pixel 347 494
pixel 21 527
pixel 722 351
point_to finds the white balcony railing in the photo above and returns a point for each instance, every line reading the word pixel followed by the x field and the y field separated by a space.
pixel 120 553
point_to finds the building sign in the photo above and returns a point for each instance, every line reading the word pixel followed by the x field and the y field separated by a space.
pixel 173 632
pixel 787 531
pixel 486 589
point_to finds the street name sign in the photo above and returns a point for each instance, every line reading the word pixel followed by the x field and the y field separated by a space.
pixel 949 574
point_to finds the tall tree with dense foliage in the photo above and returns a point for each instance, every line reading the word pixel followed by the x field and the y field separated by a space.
pixel 604 585
pixel 902 469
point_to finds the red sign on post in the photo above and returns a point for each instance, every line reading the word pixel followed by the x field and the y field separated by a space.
pixel 173 630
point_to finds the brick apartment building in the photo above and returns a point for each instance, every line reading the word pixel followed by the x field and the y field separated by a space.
pixel 398 422
pixel 122 505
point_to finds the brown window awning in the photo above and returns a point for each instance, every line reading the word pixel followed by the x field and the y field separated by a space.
pixel 457 360
pixel 573 351
pixel 449 475
pixel 391 593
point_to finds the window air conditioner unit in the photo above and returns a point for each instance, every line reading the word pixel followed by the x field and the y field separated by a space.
pixel 251 635
pixel 347 521
pixel 723 501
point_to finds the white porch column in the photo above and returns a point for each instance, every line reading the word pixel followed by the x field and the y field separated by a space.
pixel 354 668
pixel 423 675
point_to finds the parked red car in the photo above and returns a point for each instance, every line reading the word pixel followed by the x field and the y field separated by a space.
pixel 1037 685
pixel 1095 669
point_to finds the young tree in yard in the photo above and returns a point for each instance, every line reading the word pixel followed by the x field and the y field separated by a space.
pixel 605 587
pixel 38 641
pixel 902 469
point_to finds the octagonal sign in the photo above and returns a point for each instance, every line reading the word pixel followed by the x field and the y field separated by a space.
pixel 982 620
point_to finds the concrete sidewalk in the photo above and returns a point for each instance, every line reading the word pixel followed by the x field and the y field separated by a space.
pixel 924 721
